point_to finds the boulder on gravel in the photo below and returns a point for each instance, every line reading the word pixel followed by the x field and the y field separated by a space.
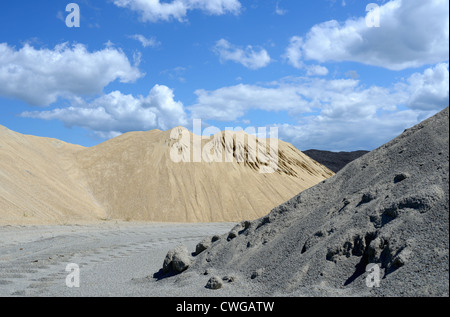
pixel 214 282
pixel 177 260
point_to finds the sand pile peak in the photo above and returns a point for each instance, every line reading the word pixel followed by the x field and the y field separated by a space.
pixel 181 177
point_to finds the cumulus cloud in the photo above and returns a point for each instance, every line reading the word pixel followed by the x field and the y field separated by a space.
pixel 349 133
pixel 155 10
pixel 316 70
pixel 333 114
pixel 365 118
pixel 248 57
pixel 429 89
pixel 294 57
pixel 40 76
pixel 338 114
pixel 116 113
pixel 412 33
pixel 231 103
pixel 294 53
pixel 294 95
pixel 146 42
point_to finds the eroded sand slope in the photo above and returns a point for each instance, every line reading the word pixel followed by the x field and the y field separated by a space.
pixel 134 177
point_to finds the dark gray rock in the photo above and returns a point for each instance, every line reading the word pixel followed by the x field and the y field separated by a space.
pixel 257 273
pixel 229 279
pixel 177 260
pixel 400 177
pixel 214 282
pixel 203 245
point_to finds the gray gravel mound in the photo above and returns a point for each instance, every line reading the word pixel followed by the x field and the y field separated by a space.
pixel 389 208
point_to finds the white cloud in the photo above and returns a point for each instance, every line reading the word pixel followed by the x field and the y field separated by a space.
pixel 231 103
pixel 41 76
pixel 116 113
pixel 155 10
pixel 293 56
pixel 248 57
pixel 349 133
pixel 316 70
pixel 146 42
pixel 412 33
pixel 429 89
pixel 293 52
pixel 339 114
pixel 365 118
pixel 299 95
pixel 278 10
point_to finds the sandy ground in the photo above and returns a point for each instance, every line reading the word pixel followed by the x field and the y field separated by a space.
pixel 115 259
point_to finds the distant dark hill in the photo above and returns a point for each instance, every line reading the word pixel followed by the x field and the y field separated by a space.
pixel 335 161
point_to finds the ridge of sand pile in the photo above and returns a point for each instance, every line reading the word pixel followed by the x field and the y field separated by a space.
pixel 133 177
pixel 389 207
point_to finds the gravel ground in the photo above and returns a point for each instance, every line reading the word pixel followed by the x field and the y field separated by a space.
pixel 114 259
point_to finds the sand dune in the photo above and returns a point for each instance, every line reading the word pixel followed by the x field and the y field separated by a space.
pixel 133 177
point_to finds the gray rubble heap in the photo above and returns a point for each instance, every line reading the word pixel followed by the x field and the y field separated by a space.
pixel 390 208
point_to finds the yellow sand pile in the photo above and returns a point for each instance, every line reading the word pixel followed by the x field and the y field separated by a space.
pixel 149 176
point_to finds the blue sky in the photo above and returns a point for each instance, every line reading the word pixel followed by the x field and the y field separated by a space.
pixel 315 69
